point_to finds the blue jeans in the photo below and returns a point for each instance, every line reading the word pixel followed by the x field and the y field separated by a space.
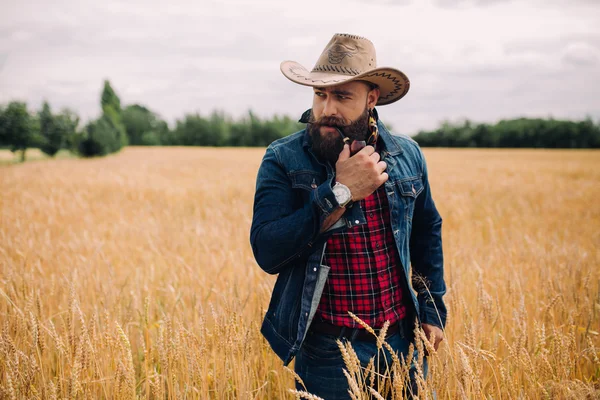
pixel 319 362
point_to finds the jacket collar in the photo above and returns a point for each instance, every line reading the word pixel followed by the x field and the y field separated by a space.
pixel 391 145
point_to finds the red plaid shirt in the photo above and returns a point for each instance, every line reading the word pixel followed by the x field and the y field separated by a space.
pixel 365 270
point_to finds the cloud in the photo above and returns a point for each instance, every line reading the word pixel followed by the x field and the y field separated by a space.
pixel 468 3
pixel 576 50
pixel 3 58
pixel 391 3
pixel 487 3
pixel 581 54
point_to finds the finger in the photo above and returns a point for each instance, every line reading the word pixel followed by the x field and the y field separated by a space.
pixel 368 150
pixel 344 154
pixel 438 340
pixel 381 166
pixel 375 156
pixel 384 177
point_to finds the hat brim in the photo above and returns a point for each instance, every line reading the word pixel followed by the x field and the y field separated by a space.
pixel 393 84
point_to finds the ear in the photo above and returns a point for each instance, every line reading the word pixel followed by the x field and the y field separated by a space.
pixel 372 98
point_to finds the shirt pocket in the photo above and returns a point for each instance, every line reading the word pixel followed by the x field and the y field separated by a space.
pixel 410 189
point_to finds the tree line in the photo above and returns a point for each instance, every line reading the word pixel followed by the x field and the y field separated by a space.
pixel 137 125
pixel 20 129
pixel 134 124
pixel 521 132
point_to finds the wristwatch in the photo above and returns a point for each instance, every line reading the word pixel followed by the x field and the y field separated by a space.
pixel 342 194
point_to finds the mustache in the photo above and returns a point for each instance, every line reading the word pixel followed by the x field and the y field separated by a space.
pixel 330 121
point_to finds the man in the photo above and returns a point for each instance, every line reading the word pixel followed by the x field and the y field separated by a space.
pixel 341 211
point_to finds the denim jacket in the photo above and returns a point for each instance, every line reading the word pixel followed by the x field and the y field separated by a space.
pixel 293 198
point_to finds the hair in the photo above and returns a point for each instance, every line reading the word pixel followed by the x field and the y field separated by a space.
pixel 371 85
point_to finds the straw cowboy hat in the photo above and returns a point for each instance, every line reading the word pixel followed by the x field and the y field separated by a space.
pixel 349 58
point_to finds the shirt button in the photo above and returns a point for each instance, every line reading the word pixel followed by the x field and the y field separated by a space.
pixel 370 215
pixel 377 245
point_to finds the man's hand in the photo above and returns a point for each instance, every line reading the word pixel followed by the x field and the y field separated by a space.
pixel 363 173
pixel 438 334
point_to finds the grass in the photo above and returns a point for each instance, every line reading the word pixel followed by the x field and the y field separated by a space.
pixel 131 276
pixel 7 157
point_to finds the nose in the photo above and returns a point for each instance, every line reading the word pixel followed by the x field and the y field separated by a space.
pixel 330 107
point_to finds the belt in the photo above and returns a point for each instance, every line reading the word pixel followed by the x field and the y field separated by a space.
pixel 352 333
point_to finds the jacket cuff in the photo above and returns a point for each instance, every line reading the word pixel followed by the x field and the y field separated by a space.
pixel 428 314
pixel 325 199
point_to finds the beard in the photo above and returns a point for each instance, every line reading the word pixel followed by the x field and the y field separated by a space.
pixel 328 146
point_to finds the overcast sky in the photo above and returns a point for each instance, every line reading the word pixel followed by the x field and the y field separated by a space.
pixel 477 59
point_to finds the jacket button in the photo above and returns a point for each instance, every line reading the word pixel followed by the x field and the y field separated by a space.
pixel 315 269
pixel 357 222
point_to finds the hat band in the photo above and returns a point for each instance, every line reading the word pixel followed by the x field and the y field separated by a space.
pixel 336 68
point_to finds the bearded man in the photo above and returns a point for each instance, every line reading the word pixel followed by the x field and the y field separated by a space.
pixel 343 210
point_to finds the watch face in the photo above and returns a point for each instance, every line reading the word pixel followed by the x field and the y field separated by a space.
pixel 342 195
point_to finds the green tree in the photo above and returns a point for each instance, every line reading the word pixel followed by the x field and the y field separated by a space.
pixel 219 128
pixel 251 130
pixel 144 127
pixel 165 134
pixel 150 138
pixel 17 128
pixel 106 134
pixel 53 137
pixel 111 104
pixel 192 131
pixel 3 137
pixel 100 138
pixel 111 109
pixel 66 122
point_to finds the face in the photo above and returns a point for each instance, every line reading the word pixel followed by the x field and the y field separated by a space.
pixel 345 107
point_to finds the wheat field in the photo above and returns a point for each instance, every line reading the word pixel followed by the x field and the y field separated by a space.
pixel 131 276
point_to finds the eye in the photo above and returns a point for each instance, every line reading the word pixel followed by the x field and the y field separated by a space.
pixel 319 94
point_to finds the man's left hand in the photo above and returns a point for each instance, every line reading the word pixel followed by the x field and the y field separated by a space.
pixel 438 334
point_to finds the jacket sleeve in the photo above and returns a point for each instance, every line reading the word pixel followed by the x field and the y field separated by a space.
pixel 281 233
pixel 427 257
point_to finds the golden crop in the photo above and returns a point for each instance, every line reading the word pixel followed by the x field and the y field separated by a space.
pixel 131 276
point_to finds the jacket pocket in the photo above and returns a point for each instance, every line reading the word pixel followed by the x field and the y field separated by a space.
pixel 304 179
pixel 284 308
pixel 410 188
